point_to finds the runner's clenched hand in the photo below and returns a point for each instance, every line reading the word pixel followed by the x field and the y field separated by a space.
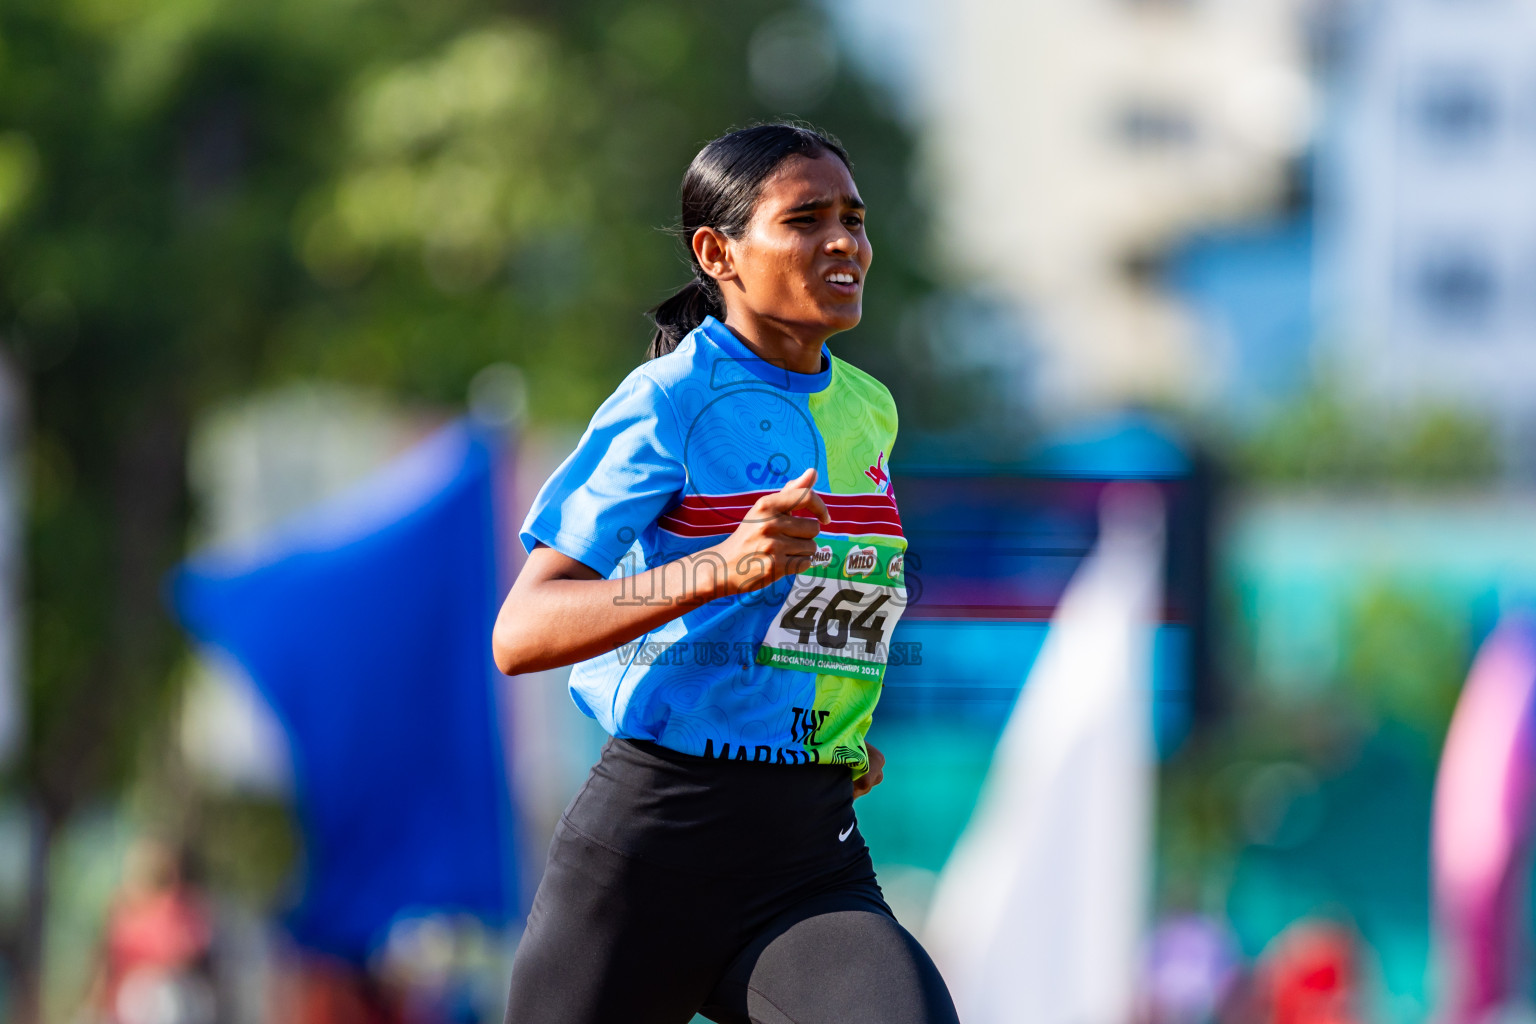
pixel 874 776
pixel 777 537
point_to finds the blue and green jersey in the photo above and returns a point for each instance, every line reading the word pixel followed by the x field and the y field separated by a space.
pixel 669 465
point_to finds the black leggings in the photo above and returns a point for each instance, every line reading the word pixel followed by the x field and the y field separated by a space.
pixel 679 885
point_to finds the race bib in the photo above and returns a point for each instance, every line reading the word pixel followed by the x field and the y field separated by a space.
pixel 840 613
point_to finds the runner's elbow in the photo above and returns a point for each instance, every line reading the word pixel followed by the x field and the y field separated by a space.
pixel 513 653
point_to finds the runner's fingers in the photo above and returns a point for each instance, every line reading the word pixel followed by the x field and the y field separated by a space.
pixel 868 781
pixel 794 547
pixel 809 504
pixel 797 492
pixel 817 507
pixel 804 482
pixel 797 526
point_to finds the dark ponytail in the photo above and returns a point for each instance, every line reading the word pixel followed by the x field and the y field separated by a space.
pixel 683 312
pixel 720 190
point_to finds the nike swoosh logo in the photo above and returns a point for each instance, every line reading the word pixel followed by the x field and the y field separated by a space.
pixel 845 833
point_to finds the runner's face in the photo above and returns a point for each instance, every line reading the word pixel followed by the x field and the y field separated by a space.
pixel 803 257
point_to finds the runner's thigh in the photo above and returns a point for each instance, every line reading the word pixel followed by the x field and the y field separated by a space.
pixel 611 938
pixel 844 961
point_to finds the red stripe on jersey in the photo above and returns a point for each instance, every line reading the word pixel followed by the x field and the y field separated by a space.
pixel 719 514
pixel 731 516
pixel 739 503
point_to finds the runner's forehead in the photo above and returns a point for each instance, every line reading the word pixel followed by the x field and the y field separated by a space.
pixel 805 183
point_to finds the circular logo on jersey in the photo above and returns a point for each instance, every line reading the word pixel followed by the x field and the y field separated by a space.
pixel 748 440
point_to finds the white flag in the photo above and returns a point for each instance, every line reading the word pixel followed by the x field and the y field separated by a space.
pixel 1039 912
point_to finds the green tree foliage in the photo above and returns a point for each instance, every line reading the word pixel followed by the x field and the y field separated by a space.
pixel 201 197
pixel 1407 655
pixel 1323 437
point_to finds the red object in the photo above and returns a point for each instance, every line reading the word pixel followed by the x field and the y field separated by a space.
pixel 716 515
pixel 878 474
pixel 1309 975
pixel 326 991
pixel 164 932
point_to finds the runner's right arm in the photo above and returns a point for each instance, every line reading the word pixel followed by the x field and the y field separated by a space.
pixel 561 611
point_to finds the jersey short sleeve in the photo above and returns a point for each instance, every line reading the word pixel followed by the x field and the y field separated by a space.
pixel 625 472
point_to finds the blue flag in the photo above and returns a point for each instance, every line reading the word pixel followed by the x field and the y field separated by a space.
pixel 366 625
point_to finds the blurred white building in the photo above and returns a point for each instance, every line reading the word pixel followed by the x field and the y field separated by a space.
pixel 1427 203
pixel 1072 141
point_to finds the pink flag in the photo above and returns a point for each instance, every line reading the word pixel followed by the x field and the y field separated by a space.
pixel 1482 825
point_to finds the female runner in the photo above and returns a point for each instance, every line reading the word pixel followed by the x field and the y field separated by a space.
pixel 723 556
